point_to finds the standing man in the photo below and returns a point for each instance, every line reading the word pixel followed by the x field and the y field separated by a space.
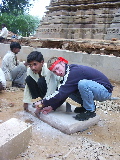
pixel 40 81
pixel 81 83
pixel 4 33
pixel 14 70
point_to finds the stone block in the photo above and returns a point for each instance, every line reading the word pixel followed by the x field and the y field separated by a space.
pixel 98 11
pixel 65 121
pixel 89 12
pixel 14 138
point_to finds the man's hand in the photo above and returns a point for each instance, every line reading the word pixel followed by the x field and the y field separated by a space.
pixel 46 110
pixel 25 106
pixel 38 103
pixel 25 63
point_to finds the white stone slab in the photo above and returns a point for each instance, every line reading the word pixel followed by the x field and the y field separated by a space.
pixel 64 121
pixel 14 138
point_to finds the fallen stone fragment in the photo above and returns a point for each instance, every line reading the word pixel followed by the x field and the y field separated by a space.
pixel 14 138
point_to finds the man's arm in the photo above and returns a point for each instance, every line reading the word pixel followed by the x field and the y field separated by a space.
pixel 26 98
pixel 45 110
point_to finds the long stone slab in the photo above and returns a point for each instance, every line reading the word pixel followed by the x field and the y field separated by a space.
pixel 14 138
pixel 64 121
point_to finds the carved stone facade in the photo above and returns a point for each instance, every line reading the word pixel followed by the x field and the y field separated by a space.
pixel 114 30
pixel 75 19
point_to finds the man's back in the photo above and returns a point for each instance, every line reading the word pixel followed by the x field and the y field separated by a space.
pixel 8 63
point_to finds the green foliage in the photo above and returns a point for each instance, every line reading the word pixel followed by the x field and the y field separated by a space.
pixel 15 7
pixel 22 24
pixel 12 13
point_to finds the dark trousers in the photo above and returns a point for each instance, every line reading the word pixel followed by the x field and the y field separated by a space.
pixel 37 89
pixel 2 39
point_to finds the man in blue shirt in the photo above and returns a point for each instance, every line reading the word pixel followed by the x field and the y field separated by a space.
pixel 81 83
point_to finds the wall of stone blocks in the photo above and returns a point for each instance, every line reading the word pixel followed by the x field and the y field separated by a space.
pixel 109 65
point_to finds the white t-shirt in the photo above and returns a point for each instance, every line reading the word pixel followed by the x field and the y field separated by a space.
pixel 4 32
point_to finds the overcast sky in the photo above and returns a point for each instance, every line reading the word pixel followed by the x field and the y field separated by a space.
pixel 38 7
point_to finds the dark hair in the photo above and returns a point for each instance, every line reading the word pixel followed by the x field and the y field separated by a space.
pixel 35 56
pixel 4 25
pixel 14 45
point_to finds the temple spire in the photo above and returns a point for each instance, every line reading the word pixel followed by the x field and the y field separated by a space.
pixel 75 19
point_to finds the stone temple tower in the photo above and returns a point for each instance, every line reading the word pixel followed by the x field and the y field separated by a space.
pixel 74 19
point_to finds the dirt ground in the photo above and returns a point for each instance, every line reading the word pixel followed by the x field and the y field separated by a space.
pixel 99 142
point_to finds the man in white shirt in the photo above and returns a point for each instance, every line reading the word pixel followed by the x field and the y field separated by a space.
pixel 2 80
pixel 40 81
pixel 4 33
pixel 14 70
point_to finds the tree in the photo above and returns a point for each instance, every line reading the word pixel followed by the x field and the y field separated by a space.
pixel 15 7
pixel 22 24
pixel 13 14
pixel 26 24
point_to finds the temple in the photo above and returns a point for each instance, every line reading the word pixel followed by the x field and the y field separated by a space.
pixel 85 19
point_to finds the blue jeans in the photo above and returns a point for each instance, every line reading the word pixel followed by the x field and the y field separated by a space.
pixel 88 92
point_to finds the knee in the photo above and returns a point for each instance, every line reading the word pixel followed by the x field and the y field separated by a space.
pixel 82 84
pixel 22 67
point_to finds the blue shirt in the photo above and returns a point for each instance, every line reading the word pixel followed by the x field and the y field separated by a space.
pixel 75 73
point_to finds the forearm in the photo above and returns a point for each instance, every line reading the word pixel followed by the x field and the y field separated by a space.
pixel 55 105
pixel 27 98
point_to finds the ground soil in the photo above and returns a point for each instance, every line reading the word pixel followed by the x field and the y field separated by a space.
pixel 99 142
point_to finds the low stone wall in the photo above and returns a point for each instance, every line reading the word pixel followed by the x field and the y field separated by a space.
pixel 109 65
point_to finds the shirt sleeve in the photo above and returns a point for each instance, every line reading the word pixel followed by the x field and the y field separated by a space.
pixel 27 95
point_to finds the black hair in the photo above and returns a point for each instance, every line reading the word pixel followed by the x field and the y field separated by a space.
pixel 4 25
pixel 35 56
pixel 14 45
pixel 1 39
